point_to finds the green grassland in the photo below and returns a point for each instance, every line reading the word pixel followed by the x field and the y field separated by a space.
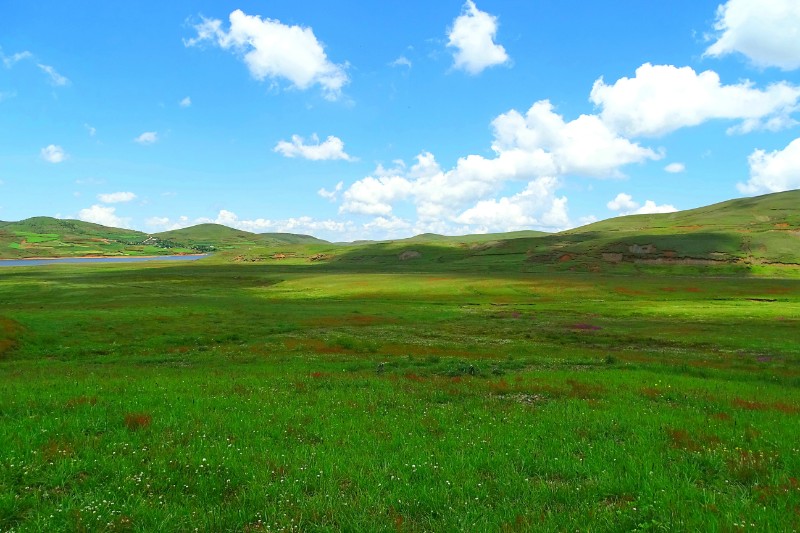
pixel 638 374
pixel 343 395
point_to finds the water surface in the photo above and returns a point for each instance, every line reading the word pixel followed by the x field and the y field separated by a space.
pixel 125 259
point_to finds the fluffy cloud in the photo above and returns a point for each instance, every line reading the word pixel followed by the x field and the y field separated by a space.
pixel 472 36
pixel 104 215
pixel 274 50
pixel 773 171
pixel 116 197
pixel 53 154
pixel 305 225
pixel 331 195
pixel 166 224
pixel 663 98
pixel 625 204
pixel 56 79
pixel 768 33
pixel 290 225
pixel 675 168
pixel 148 137
pixel 536 206
pixel 91 129
pixel 536 148
pixel 331 149
pixel 585 145
pixel 622 202
pixel 186 102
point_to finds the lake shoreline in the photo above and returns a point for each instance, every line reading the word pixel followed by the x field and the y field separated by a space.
pixel 101 257
pixel 43 261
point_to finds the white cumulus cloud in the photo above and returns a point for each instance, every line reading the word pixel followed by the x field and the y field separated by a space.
pixel 774 171
pixel 148 137
pixel 53 153
pixel 536 206
pixel 675 168
pixel 663 98
pixel 186 102
pixel 536 147
pixel 116 197
pixel 473 37
pixel 274 50
pixel 625 204
pixel 104 215
pixel 766 32
pixel 331 195
pixel 330 149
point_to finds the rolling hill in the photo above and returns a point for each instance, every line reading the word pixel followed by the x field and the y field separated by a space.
pixel 738 235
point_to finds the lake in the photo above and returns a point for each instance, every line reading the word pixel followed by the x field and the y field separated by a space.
pixel 126 259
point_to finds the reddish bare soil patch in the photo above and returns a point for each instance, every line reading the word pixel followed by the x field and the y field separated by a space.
pixel 760 406
pixel 627 291
pixel 680 439
pixel 781 225
pixel 55 449
pixel 349 320
pixel 137 421
pixel 585 327
pixel 80 400
pixel 9 330
pixel 565 258
pixel 584 391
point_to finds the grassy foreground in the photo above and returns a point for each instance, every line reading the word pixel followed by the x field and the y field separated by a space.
pixel 253 397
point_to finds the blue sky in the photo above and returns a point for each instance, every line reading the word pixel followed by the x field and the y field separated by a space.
pixel 347 122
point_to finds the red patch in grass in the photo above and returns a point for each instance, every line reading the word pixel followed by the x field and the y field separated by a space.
pixel 760 406
pixel 681 440
pixel 584 391
pixel 80 400
pixel 137 421
pixel 585 327
pixel 750 406
pixel 411 376
pixel 55 449
pixel 721 416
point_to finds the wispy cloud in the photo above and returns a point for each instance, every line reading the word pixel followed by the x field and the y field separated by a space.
pixel 116 197
pixel 10 61
pixel 56 79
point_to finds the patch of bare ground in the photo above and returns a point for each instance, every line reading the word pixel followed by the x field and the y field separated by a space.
pixel 9 331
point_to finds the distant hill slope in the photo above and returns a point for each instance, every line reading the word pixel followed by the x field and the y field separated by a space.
pixel 737 235
pixel 53 237
pixel 742 235
pixel 762 229
pixel 223 236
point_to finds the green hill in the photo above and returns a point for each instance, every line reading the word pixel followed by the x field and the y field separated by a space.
pixel 53 237
pixel 219 237
pixel 743 235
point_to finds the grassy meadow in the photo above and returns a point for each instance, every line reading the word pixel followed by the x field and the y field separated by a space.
pixel 279 397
